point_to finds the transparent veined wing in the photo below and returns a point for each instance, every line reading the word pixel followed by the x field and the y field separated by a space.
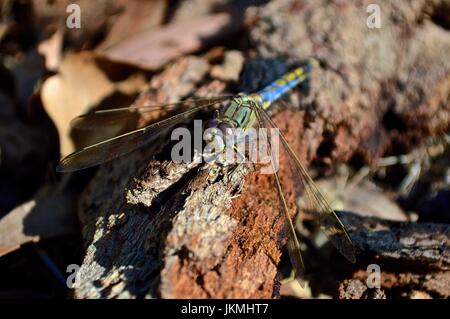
pixel 293 245
pixel 329 222
pixel 115 117
pixel 117 146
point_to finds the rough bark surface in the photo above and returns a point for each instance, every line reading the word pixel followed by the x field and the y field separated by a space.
pixel 154 228
pixel 412 256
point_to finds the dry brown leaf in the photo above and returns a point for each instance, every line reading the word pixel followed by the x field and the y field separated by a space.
pixel 49 16
pixel 154 48
pixel 417 294
pixel 37 219
pixel 292 288
pixel 3 30
pixel 80 85
pixel 51 49
pixel 196 9
pixel 365 199
pixel 138 15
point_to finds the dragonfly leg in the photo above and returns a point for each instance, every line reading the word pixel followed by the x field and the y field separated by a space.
pixel 241 155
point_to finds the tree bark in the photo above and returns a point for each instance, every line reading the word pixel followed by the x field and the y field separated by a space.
pixel 410 256
pixel 155 228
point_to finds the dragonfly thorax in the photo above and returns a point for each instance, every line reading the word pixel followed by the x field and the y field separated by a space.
pixel 236 117
pixel 239 114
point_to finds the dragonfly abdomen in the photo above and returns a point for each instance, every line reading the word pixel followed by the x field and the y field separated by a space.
pixel 279 87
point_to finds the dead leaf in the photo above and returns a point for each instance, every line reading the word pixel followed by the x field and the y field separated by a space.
pixel 196 9
pixel 36 220
pixel 80 85
pixel 292 288
pixel 365 199
pixel 417 294
pixel 154 48
pixel 49 16
pixel 51 49
pixel 138 15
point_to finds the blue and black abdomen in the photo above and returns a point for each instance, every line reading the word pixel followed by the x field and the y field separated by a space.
pixel 277 88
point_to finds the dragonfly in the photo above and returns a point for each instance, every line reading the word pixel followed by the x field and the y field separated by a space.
pixel 242 112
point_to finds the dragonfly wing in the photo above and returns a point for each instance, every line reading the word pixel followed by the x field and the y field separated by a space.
pixel 293 244
pixel 329 222
pixel 117 117
pixel 101 120
pixel 117 146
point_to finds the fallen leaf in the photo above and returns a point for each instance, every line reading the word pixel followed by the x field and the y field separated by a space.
pixel 36 220
pixel 417 294
pixel 49 16
pixel 291 288
pixel 138 16
pixel 80 85
pixel 365 199
pixel 154 48
pixel 196 9
pixel 51 49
